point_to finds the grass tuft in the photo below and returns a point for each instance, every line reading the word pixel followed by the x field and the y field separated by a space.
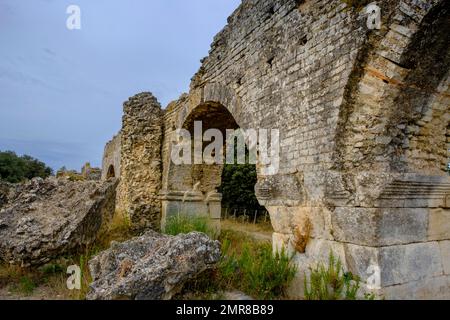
pixel 248 266
pixel 182 224
pixel 331 282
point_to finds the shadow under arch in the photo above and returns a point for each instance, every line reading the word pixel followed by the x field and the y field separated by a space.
pixel 193 189
pixel 111 172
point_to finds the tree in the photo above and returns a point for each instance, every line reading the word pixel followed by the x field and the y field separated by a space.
pixel 16 169
pixel 238 187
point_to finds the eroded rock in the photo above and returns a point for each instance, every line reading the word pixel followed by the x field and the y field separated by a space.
pixel 151 267
pixel 44 219
pixel 4 193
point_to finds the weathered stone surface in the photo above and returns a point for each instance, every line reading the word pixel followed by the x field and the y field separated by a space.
pixel 363 117
pixel 141 167
pixel 4 193
pixel 380 227
pixel 111 158
pixel 439 224
pixel 360 259
pixel 412 262
pixel 46 218
pixel 437 288
pixel 287 219
pixel 151 267
pixel 355 225
pixel 402 226
pixel 445 253
pixel 90 173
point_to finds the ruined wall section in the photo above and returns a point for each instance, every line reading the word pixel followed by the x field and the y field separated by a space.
pixel 141 167
pixel 397 110
pixel 175 178
pixel 358 161
pixel 289 63
pixel 111 156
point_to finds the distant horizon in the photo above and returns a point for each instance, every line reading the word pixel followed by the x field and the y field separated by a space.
pixel 62 91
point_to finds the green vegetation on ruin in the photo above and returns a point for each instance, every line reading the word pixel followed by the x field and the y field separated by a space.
pixel 14 168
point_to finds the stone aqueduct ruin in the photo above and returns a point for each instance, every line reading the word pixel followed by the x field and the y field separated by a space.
pixel 364 124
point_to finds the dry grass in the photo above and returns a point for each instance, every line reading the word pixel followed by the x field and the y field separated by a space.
pixel 257 232
pixel 47 282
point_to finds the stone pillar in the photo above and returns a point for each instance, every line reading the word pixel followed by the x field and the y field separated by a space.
pixel 191 204
pixel 391 230
pixel 141 168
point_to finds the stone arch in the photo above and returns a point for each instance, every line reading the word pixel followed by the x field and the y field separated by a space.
pixel 213 115
pixel 193 188
pixel 215 94
pixel 112 157
pixel 397 98
pixel 212 100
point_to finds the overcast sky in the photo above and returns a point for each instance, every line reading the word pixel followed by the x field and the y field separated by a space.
pixel 61 91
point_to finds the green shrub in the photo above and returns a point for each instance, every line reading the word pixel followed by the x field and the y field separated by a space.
pixel 255 270
pixel 247 266
pixel 183 224
pixel 26 285
pixel 331 282
pixel 16 169
pixel 52 268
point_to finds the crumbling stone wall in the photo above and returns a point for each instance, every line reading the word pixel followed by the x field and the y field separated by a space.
pixel 141 168
pixel 90 173
pixel 111 157
pixel 364 118
pixel 364 123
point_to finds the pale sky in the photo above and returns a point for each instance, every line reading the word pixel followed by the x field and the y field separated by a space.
pixel 61 91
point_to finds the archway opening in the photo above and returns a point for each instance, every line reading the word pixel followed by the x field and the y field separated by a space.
pixel 111 172
pixel 235 181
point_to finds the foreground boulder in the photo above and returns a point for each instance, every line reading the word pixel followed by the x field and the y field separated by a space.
pixel 43 219
pixel 151 267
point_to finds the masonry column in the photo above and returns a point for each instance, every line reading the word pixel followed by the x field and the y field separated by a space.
pixel 141 162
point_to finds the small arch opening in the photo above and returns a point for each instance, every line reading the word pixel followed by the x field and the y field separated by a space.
pixel 111 172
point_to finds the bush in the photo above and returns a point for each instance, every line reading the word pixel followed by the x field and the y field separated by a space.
pixel 258 272
pixel 246 266
pixel 16 169
pixel 331 282
pixel 238 187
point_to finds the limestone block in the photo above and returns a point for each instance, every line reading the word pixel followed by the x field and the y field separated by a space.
pixel 380 227
pixel 215 210
pixel 437 288
pixel 355 225
pixel 362 261
pixel 402 226
pixel 412 262
pixel 439 224
pixel 287 219
pixel 319 251
pixel 282 242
